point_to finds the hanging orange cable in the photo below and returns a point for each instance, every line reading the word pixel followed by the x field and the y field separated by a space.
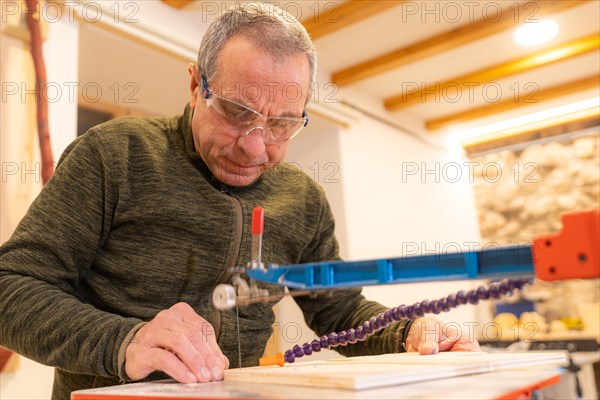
pixel 33 22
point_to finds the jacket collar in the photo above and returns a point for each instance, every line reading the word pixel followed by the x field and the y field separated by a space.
pixel 186 137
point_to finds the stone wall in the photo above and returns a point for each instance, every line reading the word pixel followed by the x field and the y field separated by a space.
pixel 522 194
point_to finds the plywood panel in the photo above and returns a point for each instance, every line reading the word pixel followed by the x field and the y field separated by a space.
pixel 358 373
pixel 492 385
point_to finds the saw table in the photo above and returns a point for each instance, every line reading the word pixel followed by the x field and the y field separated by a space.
pixel 501 385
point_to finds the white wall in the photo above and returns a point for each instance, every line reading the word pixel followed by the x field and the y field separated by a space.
pixel 395 208
pixel 20 145
pixel 316 151
pixel 123 73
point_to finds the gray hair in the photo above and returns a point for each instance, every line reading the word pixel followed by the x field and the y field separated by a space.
pixel 266 26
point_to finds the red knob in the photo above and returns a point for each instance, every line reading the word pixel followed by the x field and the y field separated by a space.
pixel 258 220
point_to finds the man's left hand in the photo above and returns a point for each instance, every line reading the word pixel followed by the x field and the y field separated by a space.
pixel 430 335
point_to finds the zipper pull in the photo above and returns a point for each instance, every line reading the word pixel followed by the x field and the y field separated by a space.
pixel 224 188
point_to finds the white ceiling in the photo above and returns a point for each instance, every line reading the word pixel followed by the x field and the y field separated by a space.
pixel 389 30
pixel 394 29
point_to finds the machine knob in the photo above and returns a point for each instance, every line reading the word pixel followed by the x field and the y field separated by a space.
pixel 224 297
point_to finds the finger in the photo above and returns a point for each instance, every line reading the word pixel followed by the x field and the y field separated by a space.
pixel 172 334
pixel 429 337
pixel 214 363
pixel 168 332
pixel 225 361
pixel 206 343
pixel 466 345
pixel 163 360
pixel 189 316
pixel 455 341
pixel 427 348
pixel 449 339
pixel 176 343
pixel 203 338
pixel 179 343
pixel 414 335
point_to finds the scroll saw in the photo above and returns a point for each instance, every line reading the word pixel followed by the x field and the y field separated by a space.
pixel 569 254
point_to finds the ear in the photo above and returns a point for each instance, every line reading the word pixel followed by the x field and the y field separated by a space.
pixel 194 89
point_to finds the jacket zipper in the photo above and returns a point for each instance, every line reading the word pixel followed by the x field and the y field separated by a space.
pixel 237 244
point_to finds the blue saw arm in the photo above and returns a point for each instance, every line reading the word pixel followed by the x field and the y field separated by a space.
pixel 482 264
pixel 569 254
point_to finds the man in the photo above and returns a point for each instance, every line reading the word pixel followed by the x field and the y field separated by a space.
pixel 109 275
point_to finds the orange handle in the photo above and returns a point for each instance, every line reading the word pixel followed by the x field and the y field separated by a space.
pixel 277 359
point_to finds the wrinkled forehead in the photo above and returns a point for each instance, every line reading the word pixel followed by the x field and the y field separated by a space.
pixel 259 92
pixel 254 76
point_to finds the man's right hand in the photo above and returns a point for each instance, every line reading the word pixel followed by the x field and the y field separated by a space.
pixel 178 342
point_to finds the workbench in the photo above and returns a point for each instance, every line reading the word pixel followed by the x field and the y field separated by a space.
pixel 514 384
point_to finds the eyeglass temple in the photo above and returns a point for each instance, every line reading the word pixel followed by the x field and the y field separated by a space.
pixel 305 115
pixel 205 91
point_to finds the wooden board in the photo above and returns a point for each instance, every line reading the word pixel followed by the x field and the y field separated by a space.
pixel 358 373
pixel 516 384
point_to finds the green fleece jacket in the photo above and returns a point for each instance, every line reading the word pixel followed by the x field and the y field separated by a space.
pixel 132 223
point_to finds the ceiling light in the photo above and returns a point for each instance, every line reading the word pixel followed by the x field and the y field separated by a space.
pixel 532 33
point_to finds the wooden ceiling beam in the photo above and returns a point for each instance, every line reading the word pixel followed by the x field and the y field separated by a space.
pixel 524 99
pixel 448 40
pixel 177 3
pixel 329 16
pixel 499 71
pixel 334 17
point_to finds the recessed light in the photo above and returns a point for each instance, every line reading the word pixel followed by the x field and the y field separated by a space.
pixel 532 33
